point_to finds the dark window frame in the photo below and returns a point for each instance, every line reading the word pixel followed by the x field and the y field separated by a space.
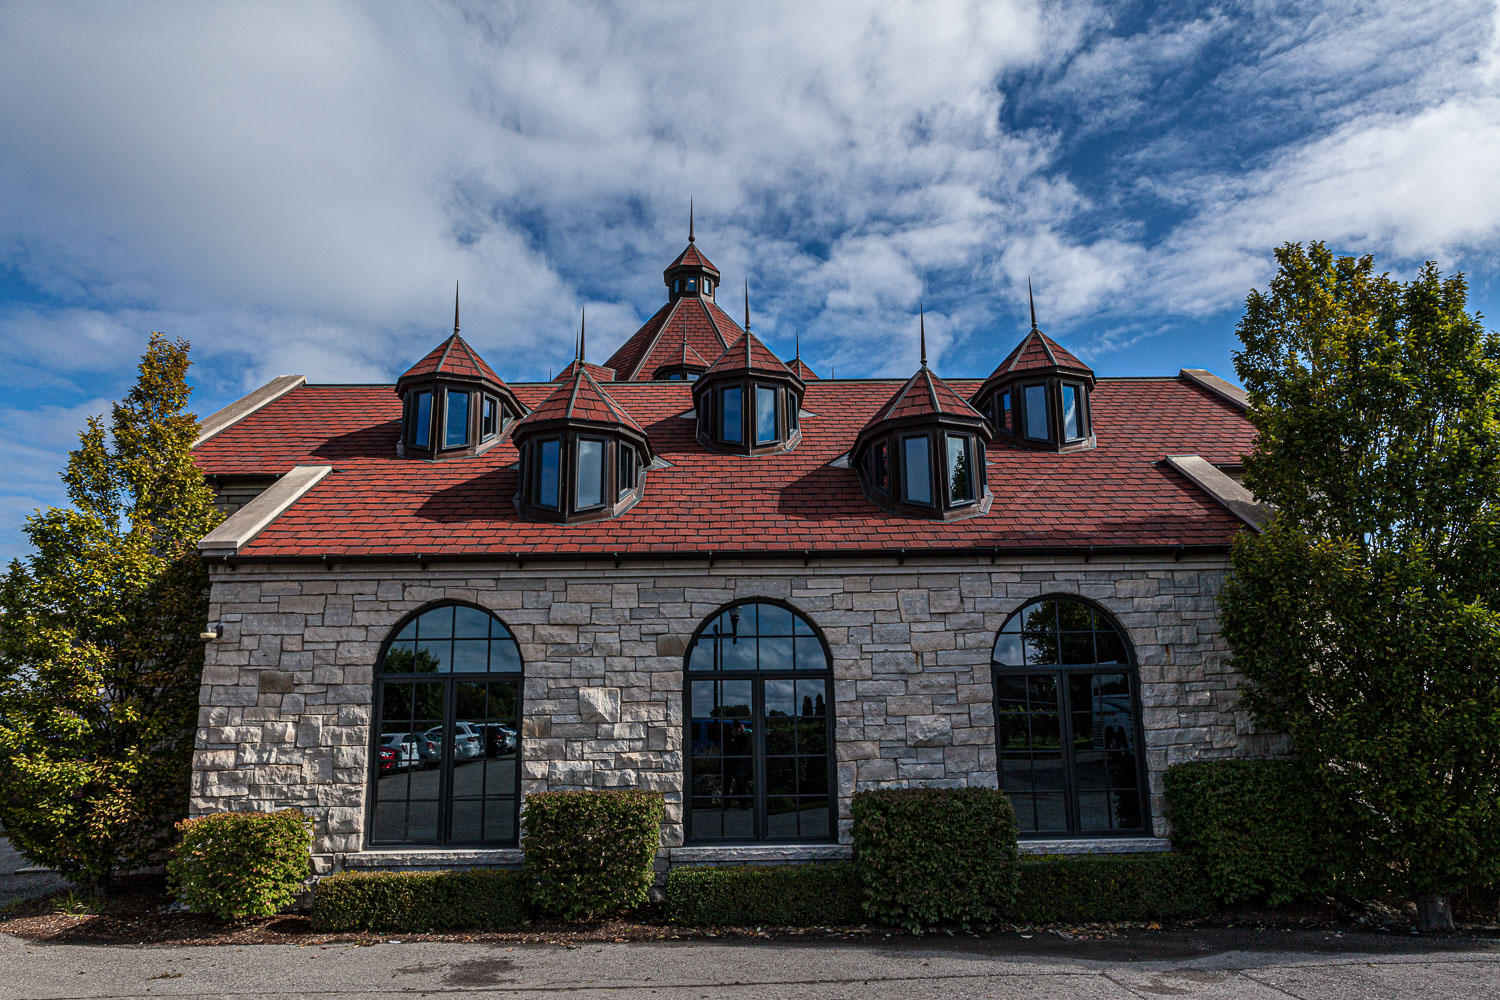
pixel 757 679
pixel 468 420
pixel 451 679
pixel 606 478
pixel 932 492
pixel 412 419
pixel 722 422
pixel 1023 412
pixel 1130 668
pixel 535 486
pixel 970 446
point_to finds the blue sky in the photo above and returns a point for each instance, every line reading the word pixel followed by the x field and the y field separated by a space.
pixel 294 188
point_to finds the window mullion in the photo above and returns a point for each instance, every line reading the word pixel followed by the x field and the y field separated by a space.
pixel 1070 778
pixel 758 764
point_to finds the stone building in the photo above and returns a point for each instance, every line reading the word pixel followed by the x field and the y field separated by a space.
pixel 702 569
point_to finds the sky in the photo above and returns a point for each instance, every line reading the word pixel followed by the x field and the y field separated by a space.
pixel 295 188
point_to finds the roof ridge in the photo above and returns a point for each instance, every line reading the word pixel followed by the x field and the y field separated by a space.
pixel 708 314
pixel 578 376
pixel 448 349
pixel 931 389
pixel 1047 346
pixel 656 336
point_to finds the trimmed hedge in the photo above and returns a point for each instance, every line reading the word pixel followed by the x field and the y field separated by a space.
pixel 241 864
pixel 930 856
pixel 411 902
pixel 589 853
pixel 1089 888
pixel 808 895
pixel 1255 826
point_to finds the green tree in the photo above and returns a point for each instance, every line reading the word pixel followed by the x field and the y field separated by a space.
pixel 100 661
pixel 1365 616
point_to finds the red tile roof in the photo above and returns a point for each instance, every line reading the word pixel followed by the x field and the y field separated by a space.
pixel 580 398
pixel 375 504
pixel 1037 350
pixel 924 395
pixel 453 356
pixel 693 257
pixel 698 322
pixel 748 354
pixel 599 372
pixel 799 368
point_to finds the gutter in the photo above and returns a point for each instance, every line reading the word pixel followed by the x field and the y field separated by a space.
pixel 804 556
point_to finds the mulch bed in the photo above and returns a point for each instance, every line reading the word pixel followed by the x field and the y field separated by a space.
pixel 140 912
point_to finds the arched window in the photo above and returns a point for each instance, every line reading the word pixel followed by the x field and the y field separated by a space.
pixel 759 728
pixel 1067 721
pixel 446 756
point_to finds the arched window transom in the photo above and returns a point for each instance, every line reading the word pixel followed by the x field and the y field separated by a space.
pixel 446 756
pixel 759 728
pixel 1067 722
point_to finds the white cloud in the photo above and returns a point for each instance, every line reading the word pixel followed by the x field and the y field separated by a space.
pixel 295 187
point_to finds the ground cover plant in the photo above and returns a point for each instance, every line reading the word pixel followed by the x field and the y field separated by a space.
pixel 1365 617
pixel 241 864
pixel 100 661
pixel 591 853
pixel 930 856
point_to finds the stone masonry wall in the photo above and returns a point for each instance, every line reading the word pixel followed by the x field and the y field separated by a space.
pixel 287 688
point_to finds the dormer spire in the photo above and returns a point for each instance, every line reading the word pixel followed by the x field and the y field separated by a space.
pixel 583 322
pixel 455 309
pixel 690 218
pixel 922 334
pixel 1031 300
pixel 747 305
pixel 797 345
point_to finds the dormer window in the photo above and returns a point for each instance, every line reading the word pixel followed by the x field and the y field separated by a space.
pixel 453 404
pixel 1039 397
pixel 922 454
pixel 582 456
pixel 747 401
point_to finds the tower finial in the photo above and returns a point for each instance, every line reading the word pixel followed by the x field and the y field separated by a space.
pixel 747 305
pixel 583 323
pixel 690 218
pixel 455 309
pixel 922 327
pixel 1032 300
pixel 797 344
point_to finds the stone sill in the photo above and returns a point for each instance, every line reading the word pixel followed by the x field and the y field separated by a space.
pixel 1104 845
pixel 440 857
pixel 749 853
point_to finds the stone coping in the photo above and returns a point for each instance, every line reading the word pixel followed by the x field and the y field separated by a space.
pixel 437 857
pixel 241 408
pixel 1231 495
pixel 247 522
pixel 1103 845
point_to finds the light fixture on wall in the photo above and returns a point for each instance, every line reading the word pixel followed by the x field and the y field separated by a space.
pixel 211 631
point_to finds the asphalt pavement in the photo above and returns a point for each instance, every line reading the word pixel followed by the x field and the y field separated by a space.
pixel 18 880
pixel 1200 964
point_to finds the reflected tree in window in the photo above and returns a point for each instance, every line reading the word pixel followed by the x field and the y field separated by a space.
pixel 1066 725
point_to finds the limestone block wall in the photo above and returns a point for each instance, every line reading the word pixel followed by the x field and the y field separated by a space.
pixel 287 688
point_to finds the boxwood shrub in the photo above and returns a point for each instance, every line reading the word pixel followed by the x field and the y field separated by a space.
pixel 411 902
pixel 809 895
pixel 1083 888
pixel 241 864
pixel 1254 825
pixel 590 853
pixel 930 856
